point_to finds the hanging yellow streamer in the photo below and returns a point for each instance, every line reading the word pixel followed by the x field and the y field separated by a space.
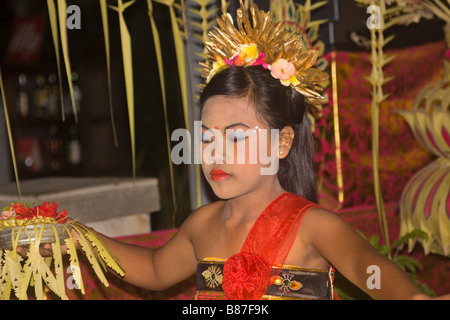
pixel 182 69
pixel 62 15
pixel 54 28
pixel 159 60
pixel 128 73
pixel 10 138
pixel 204 26
pixel 104 12
pixel 179 50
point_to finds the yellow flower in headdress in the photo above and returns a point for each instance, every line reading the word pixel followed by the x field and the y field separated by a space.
pixel 247 53
pixel 218 65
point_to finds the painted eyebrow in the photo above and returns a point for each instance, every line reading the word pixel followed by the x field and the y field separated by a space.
pixel 230 126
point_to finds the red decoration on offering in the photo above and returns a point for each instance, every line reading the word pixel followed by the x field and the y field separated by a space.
pixel 44 210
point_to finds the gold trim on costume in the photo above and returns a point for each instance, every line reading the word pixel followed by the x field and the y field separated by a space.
pixel 214 260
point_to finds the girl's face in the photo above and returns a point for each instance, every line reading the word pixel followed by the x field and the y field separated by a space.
pixel 231 157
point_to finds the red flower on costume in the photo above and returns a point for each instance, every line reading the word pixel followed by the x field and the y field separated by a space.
pixel 245 276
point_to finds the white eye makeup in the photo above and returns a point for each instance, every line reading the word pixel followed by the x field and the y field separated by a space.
pixel 232 133
pixel 237 135
pixel 207 136
pixel 236 132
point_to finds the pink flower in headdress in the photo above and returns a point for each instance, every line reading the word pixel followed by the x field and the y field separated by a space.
pixel 260 61
pixel 284 70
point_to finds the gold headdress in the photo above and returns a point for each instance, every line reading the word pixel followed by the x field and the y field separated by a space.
pixel 263 42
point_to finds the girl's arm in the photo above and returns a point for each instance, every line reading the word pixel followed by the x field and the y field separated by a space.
pixel 356 258
pixel 155 269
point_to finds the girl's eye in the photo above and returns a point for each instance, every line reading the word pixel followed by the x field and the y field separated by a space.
pixel 207 136
pixel 237 136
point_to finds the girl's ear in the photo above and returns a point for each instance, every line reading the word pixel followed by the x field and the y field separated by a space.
pixel 287 135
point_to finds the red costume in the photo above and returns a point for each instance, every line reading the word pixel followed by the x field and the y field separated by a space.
pixel 258 270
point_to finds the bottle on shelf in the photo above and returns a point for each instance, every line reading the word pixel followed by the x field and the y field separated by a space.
pixel 53 97
pixel 23 101
pixel 40 98
pixel 55 155
pixel 69 109
pixel 74 152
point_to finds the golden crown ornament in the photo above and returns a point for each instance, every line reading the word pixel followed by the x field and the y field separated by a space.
pixel 263 42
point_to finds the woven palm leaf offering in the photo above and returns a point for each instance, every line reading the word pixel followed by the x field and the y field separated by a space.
pixel 27 226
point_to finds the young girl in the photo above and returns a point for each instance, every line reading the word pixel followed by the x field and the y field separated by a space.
pixel 266 238
pixel 247 98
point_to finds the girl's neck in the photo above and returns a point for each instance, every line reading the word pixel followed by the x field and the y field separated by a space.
pixel 249 206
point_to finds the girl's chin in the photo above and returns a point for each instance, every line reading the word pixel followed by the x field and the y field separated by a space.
pixel 225 193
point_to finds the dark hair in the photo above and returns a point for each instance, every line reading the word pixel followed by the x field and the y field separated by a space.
pixel 279 106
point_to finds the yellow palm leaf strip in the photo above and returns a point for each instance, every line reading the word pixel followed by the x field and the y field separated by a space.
pixel 181 66
pixel 337 135
pixel 5 283
pixel 188 68
pixel 203 13
pixel 14 265
pixel 159 60
pixel 204 27
pixel 54 27
pixel 104 12
pixel 2 272
pixel 74 262
pixel 103 251
pixel 179 49
pixel 40 269
pixel 90 255
pixel 26 268
pixel 224 6
pixel 58 264
pixel 10 138
pixel 62 15
pixel 13 268
pixel 34 256
pixel 128 73
pixel 49 278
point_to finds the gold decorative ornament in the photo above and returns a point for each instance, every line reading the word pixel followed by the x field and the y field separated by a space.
pixel 259 40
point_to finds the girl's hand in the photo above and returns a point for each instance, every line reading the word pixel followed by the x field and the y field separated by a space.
pixel 45 249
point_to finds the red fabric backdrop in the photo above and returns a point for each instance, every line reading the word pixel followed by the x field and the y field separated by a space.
pixel 400 154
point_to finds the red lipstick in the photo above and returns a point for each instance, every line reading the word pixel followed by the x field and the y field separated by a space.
pixel 218 175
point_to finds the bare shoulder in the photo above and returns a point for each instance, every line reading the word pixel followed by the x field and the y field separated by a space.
pixel 324 228
pixel 318 218
pixel 331 236
pixel 201 217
